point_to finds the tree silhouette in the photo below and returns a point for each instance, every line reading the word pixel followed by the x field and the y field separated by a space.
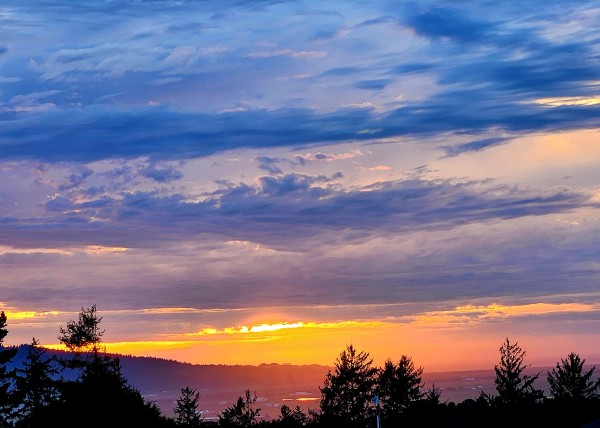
pixel 292 418
pixel 399 385
pixel 186 411
pixel 514 387
pixel 3 329
pixel 433 394
pixel 36 386
pixel 568 380
pixel 242 414
pixel 83 334
pixel 101 395
pixel 347 393
pixel 6 355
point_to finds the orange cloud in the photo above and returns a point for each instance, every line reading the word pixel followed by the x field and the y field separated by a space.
pixel 134 348
pixel 31 314
pixel 469 314
pixel 15 314
pixel 261 328
pixel 381 168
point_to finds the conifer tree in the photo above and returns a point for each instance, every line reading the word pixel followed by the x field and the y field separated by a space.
pixel 101 395
pixel 187 408
pixel 6 355
pixel 433 394
pixel 514 388
pixel 568 380
pixel 292 418
pixel 242 414
pixel 35 384
pixel 399 385
pixel 347 393
pixel 83 334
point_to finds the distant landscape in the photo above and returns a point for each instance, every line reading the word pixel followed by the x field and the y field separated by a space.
pixel 161 380
pixel 277 384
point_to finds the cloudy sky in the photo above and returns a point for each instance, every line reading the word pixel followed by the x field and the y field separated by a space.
pixel 265 181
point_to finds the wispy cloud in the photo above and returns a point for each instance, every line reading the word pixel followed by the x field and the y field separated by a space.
pixel 287 52
pixel 469 314
pixel 267 328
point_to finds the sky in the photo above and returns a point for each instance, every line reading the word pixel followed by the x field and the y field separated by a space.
pixel 240 182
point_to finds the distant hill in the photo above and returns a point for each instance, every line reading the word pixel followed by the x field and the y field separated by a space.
pixel 161 381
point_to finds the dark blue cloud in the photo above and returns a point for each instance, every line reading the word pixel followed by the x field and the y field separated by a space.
pixel 446 22
pixel 540 74
pixel 77 179
pixel 92 135
pixel 323 35
pixel 300 183
pixel 376 84
pixel 412 68
pixel 343 71
pixel 165 134
pixel 269 164
pixel 161 174
pixel 375 21
pixel 474 146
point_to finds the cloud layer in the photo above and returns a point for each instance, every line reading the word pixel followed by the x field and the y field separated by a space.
pixel 324 163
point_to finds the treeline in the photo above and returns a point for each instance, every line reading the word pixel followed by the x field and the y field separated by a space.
pixel 88 389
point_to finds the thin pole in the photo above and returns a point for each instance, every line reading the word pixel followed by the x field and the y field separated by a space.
pixel 376 399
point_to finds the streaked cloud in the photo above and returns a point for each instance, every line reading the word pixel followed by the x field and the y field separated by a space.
pixel 568 101
pixel 88 249
pixel 469 314
pixel 288 52
pixel 16 316
pixel 262 328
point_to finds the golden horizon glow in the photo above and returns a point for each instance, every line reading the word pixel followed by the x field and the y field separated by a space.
pixel 130 347
pixel 423 336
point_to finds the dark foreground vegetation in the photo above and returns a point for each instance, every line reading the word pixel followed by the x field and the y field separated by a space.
pixel 88 389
